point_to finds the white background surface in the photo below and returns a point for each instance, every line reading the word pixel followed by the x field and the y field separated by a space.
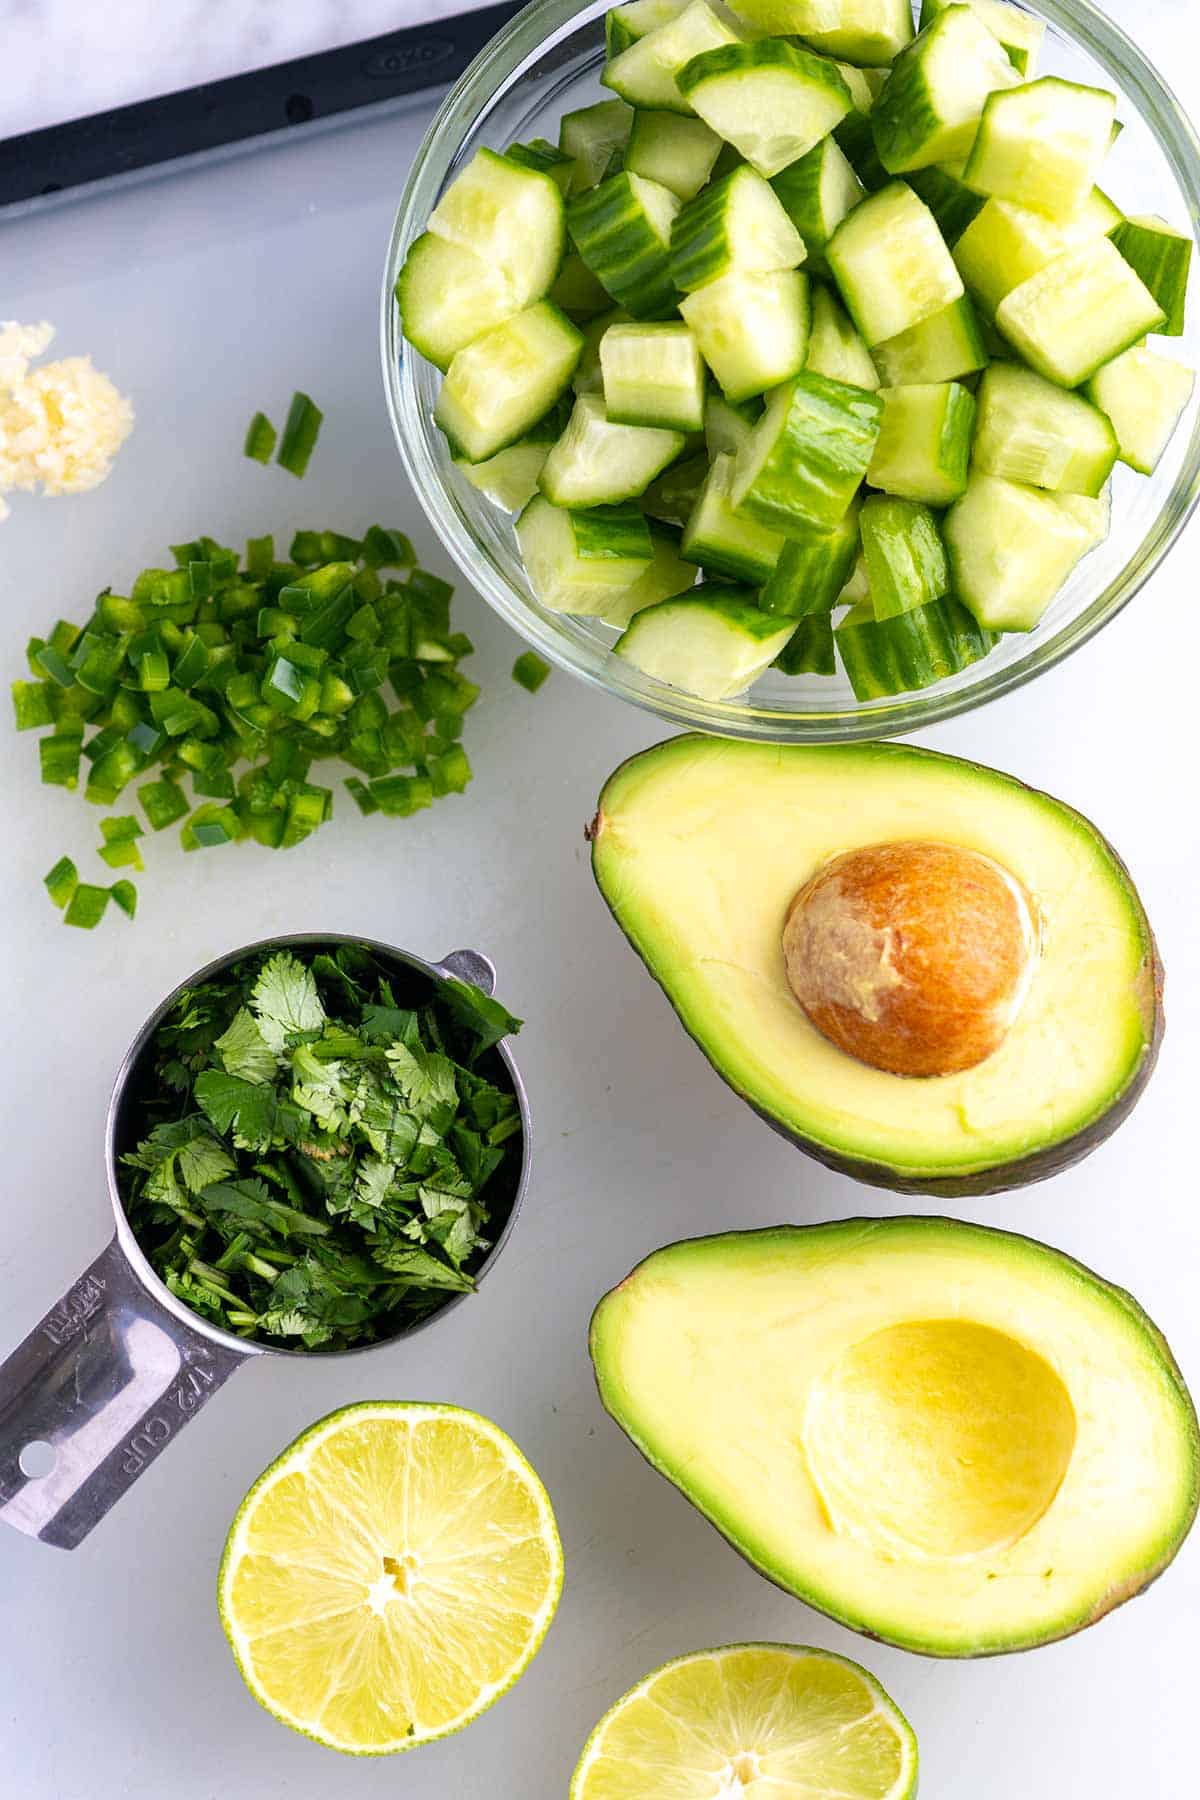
pixel 208 296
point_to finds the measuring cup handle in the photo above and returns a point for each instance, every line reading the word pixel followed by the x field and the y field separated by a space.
pixel 92 1396
pixel 471 966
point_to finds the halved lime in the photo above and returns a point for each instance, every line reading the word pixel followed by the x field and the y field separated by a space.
pixel 390 1576
pixel 755 1721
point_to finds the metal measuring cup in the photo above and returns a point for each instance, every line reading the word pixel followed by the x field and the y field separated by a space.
pixel 119 1365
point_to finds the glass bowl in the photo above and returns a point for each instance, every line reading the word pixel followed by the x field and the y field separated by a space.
pixel 547 61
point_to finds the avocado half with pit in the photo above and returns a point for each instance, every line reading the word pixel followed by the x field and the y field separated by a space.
pixel 924 973
pixel 954 1439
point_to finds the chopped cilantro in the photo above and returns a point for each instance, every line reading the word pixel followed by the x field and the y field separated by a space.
pixel 327 1148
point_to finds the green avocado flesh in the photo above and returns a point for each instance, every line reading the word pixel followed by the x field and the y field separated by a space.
pixel 958 1440
pixel 699 847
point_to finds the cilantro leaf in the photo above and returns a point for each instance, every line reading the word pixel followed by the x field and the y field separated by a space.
pixel 318 1087
pixel 426 1080
pixel 243 1107
pixel 203 1161
pixel 485 1018
pixel 245 1051
pixel 285 1000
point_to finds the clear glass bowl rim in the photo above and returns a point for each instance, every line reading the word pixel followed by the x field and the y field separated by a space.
pixel 514 48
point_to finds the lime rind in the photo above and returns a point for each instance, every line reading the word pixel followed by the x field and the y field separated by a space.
pixel 882 1707
pixel 297 1457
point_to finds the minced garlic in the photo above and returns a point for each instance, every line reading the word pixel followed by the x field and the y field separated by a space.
pixel 60 425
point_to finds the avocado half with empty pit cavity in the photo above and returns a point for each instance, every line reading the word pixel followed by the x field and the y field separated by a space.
pixel 924 973
pixel 951 1438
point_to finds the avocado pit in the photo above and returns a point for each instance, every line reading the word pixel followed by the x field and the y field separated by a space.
pixel 912 957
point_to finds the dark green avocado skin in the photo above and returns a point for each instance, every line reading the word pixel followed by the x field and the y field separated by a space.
pixel 998 1178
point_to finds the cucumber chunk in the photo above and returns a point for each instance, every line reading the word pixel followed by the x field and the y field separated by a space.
pixel 726 427
pixel 582 562
pixel 752 329
pixel 624 25
pixel 857 588
pixel 770 99
pixel 856 139
pixel 1004 244
pixel 1095 516
pixel 1078 312
pixel 727 542
pixel 591 137
pixel 673 497
pixel 806 458
pixel 864 32
pixel 909 650
pixel 596 463
pixel 1161 256
pixel 622 230
pixel 923 451
pixel 931 104
pixel 653 375
pixel 891 263
pixel 809 650
pixel 675 151
pixel 862 97
pixel 1017 31
pixel 813 568
pixel 834 347
pixel 510 478
pixel 736 223
pixel 817 191
pixel 589 377
pixel 904 555
pixel 543 156
pixel 1033 432
pixel 667 576
pixel 646 75
pixel 577 291
pixel 1010 549
pixel 1143 395
pixel 448 296
pixel 950 200
pixel 713 642
pixel 1041 145
pixel 505 381
pixel 510 217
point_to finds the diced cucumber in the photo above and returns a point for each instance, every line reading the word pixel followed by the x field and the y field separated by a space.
pixel 861 97
pixel 622 230
pixel 1078 312
pixel 904 554
pixel 510 478
pixel 864 32
pixel 1041 145
pixel 1004 244
pixel 1010 548
pixel 1095 516
pixel 596 463
pixel 834 347
pixel 891 263
pixel 735 223
pixel 857 588
pixel 1018 31
pixel 857 141
pixel 817 191
pixel 547 159
pixel 923 451
pixel 813 568
pixel 1033 432
pixel 591 137
pixel 653 375
pixel 910 650
pixel 646 75
pixel 510 217
pixel 589 377
pixel 582 562
pixel 713 642
pixel 931 104
pixel 505 381
pixel 1161 256
pixel 726 427
pixel 806 458
pixel 577 290
pixel 448 296
pixel 770 99
pixel 667 575
pixel 950 200
pixel 676 151
pixel 752 329
pixel 624 25
pixel 809 650
pixel 1143 395
pixel 673 497
pixel 725 541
